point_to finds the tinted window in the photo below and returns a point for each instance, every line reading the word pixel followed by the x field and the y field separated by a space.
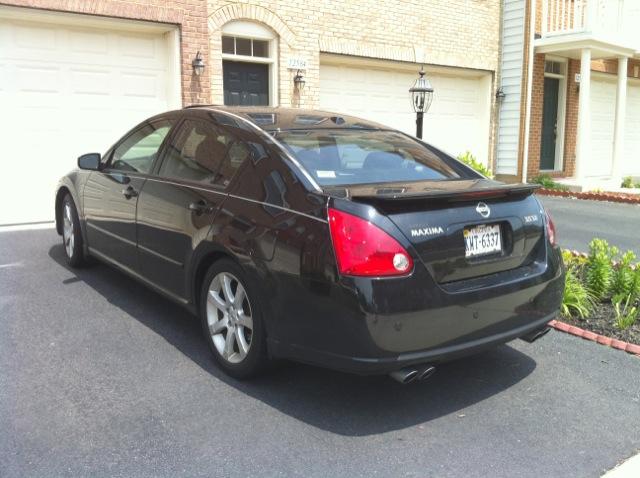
pixel 137 152
pixel 355 157
pixel 203 152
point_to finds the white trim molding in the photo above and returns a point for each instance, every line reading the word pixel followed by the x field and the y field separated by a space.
pixel 558 162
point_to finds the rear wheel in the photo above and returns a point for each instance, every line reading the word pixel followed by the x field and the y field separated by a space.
pixel 232 320
pixel 71 233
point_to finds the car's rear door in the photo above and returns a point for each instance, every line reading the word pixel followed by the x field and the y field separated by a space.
pixel 111 194
pixel 177 206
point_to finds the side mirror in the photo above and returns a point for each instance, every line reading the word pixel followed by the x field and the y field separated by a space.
pixel 89 161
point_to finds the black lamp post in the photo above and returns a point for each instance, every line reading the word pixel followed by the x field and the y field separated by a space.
pixel 421 97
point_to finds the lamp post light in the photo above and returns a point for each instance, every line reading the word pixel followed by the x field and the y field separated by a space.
pixel 421 97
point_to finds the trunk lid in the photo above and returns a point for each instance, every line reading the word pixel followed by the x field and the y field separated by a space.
pixel 439 217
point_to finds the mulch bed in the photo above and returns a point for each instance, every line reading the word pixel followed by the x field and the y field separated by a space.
pixel 628 198
pixel 602 322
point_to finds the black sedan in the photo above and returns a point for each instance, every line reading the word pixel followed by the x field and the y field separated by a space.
pixel 316 237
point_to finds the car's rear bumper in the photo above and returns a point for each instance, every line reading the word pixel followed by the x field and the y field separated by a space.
pixel 377 326
pixel 382 365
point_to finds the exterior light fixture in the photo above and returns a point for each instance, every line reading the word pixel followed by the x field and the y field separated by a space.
pixel 198 64
pixel 298 81
pixel 421 97
pixel 500 94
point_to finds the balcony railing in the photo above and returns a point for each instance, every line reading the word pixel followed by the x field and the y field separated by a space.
pixel 614 21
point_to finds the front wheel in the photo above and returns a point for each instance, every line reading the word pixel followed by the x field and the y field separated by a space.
pixel 71 233
pixel 232 320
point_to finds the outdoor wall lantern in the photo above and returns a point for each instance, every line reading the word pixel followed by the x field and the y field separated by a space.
pixel 298 81
pixel 421 97
pixel 198 64
pixel 500 94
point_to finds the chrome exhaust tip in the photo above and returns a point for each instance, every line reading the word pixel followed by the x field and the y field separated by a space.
pixel 405 375
pixel 535 335
pixel 426 372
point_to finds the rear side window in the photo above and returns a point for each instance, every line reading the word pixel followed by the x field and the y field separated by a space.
pixel 204 153
pixel 342 157
pixel 138 151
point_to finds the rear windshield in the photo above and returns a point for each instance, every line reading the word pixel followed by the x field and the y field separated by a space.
pixel 341 157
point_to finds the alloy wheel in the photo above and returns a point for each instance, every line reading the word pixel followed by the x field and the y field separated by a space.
pixel 67 230
pixel 229 317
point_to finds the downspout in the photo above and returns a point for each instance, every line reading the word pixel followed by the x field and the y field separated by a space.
pixel 527 118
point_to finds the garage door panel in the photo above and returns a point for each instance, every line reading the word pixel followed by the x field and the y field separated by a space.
pixel 70 90
pixel 88 42
pixel 90 81
pixel 631 162
pixel 457 121
pixel 603 100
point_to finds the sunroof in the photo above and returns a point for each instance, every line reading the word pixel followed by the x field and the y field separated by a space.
pixel 309 119
pixel 263 118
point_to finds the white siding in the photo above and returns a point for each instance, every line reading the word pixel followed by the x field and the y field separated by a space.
pixel 511 65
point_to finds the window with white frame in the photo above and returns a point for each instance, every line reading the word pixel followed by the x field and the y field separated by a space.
pixel 249 64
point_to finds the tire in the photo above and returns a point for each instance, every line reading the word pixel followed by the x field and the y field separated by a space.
pixel 232 321
pixel 71 233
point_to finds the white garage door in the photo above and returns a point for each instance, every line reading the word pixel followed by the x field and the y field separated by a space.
pixel 603 110
pixel 458 120
pixel 68 86
pixel 631 163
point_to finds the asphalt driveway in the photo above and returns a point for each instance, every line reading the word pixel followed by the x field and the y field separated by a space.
pixel 578 221
pixel 99 376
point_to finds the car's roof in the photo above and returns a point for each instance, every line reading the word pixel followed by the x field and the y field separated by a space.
pixel 279 118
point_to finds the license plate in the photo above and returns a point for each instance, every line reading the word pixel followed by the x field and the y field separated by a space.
pixel 481 240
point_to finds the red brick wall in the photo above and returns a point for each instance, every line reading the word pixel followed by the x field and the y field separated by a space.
pixel 571 119
pixel 535 128
pixel 190 15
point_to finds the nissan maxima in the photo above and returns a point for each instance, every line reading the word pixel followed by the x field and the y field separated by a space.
pixel 316 237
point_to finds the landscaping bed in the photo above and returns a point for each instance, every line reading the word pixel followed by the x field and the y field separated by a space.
pixel 601 300
pixel 601 321
pixel 553 188
pixel 628 198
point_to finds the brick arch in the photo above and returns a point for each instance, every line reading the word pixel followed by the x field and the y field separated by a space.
pixel 251 12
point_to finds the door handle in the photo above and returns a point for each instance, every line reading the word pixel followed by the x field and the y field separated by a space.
pixel 201 207
pixel 129 192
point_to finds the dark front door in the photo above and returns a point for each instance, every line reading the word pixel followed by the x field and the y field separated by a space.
pixel 111 195
pixel 245 84
pixel 549 123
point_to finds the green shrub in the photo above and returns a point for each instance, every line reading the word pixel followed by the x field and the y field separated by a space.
pixel 471 161
pixel 637 185
pixel 571 261
pixel 635 285
pixel 626 311
pixel 624 275
pixel 599 272
pixel 627 182
pixel 548 183
pixel 576 300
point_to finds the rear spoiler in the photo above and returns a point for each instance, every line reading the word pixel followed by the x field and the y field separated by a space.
pixel 450 194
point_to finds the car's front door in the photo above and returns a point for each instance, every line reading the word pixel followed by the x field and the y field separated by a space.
pixel 177 206
pixel 111 194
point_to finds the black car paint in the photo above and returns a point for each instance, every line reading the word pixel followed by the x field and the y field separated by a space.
pixel 271 219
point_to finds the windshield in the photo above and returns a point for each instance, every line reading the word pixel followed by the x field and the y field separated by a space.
pixel 341 157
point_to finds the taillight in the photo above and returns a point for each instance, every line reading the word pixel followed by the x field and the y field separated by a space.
pixel 363 249
pixel 551 228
